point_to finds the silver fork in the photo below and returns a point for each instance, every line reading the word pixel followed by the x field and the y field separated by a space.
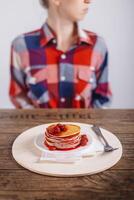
pixel 107 147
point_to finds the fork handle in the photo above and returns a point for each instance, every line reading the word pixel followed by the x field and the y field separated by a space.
pixel 104 139
pixel 98 131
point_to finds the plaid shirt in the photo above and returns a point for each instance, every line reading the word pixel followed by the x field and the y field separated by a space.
pixel 45 77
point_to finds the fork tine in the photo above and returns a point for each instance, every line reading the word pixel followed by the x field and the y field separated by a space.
pixel 110 150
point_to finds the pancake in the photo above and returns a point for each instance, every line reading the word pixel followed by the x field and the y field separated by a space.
pixel 68 138
pixel 71 130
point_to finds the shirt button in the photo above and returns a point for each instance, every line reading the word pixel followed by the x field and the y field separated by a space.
pixel 63 78
pixel 92 68
pixel 32 80
pixel 62 99
pixel 91 80
pixel 38 102
pixel 63 56
pixel 78 98
pixel 54 41
pixel 27 70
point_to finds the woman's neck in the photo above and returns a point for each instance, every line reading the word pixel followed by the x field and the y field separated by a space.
pixel 65 31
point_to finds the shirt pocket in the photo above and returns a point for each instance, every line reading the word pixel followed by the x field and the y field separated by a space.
pixel 87 75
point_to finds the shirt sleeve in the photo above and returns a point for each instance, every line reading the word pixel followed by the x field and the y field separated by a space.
pixel 102 94
pixel 17 87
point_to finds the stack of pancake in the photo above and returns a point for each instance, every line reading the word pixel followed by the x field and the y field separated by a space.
pixel 62 137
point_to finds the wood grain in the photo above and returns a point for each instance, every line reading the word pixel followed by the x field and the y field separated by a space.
pixel 17 183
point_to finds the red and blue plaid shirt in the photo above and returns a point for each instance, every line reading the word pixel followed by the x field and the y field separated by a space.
pixel 45 77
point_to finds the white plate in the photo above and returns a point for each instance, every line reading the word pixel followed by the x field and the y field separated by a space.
pixel 39 143
pixel 27 155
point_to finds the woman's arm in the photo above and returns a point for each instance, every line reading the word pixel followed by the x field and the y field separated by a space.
pixel 102 94
pixel 18 89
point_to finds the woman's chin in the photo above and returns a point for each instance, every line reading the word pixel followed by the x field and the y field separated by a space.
pixel 78 18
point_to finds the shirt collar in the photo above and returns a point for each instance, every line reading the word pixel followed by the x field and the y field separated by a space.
pixel 84 37
pixel 47 35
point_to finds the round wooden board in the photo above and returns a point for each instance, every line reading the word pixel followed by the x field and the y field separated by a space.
pixel 28 156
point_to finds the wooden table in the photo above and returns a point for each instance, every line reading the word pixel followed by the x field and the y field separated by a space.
pixel 17 183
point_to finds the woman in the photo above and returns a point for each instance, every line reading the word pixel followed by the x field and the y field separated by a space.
pixel 60 65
